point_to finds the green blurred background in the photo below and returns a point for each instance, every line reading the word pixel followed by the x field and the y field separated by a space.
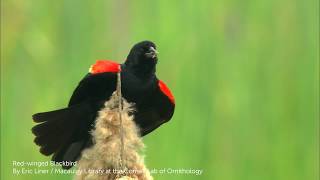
pixel 244 75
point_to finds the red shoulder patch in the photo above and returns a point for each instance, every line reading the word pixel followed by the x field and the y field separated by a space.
pixel 102 66
pixel 164 88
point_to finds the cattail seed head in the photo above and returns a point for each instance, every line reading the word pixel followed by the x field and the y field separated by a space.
pixel 109 157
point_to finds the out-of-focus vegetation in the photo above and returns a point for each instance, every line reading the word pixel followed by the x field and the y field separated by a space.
pixel 244 75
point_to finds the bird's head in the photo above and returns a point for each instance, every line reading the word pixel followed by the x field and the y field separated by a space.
pixel 143 57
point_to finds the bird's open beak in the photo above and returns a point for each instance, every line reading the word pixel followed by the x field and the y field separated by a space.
pixel 152 52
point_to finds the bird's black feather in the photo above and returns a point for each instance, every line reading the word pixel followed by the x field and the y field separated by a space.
pixel 66 132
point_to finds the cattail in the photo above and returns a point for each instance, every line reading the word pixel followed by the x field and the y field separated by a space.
pixel 117 146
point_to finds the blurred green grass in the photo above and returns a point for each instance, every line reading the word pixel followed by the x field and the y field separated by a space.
pixel 244 75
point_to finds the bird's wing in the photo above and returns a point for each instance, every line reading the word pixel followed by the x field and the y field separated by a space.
pixel 65 132
pixel 162 105
pixel 165 101
pixel 100 80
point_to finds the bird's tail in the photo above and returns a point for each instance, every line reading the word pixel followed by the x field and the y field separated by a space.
pixel 63 132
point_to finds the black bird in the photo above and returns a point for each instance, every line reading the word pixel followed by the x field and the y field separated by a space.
pixel 66 132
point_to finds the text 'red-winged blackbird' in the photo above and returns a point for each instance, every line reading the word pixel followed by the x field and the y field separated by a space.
pixel 66 132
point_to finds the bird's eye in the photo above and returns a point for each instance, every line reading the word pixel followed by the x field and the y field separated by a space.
pixel 146 49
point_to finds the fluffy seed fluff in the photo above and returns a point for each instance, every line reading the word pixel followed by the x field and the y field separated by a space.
pixel 103 161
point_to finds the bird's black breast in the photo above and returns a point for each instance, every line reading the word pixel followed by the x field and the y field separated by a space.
pixel 137 90
pixel 152 107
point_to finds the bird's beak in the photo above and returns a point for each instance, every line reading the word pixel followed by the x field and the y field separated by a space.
pixel 152 52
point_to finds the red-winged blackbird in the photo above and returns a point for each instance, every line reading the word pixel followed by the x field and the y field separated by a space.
pixel 66 132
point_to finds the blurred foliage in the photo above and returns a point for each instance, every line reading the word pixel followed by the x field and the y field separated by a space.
pixel 244 75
